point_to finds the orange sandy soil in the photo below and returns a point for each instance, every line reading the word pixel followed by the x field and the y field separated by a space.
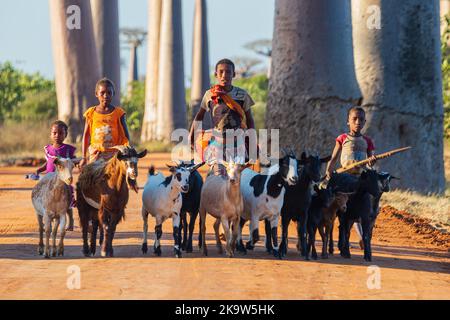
pixel 414 262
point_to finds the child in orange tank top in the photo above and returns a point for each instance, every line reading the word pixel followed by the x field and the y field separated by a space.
pixel 105 125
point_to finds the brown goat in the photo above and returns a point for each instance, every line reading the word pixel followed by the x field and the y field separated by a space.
pixel 102 194
pixel 329 216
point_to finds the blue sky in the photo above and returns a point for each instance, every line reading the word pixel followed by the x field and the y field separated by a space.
pixel 26 41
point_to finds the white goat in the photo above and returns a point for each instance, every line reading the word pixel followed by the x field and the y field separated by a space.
pixel 162 199
pixel 51 199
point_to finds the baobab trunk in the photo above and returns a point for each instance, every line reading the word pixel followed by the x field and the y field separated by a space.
pixel 397 59
pixel 200 61
pixel 151 81
pixel 76 61
pixel 312 83
pixel 171 95
pixel 133 68
pixel 105 16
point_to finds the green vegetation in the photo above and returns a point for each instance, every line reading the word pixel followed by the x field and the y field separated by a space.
pixel 258 88
pixel 25 97
pixel 134 106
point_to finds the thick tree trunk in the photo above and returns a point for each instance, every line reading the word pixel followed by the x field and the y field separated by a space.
pixel 76 61
pixel 105 16
pixel 312 83
pixel 171 95
pixel 398 70
pixel 200 61
pixel 133 68
pixel 151 82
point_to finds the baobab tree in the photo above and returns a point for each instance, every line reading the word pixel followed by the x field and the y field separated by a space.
pixel 148 132
pixel 398 67
pixel 171 95
pixel 75 60
pixel 105 17
pixel 200 61
pixel 313 82
pixel 134 38
pixel 262 47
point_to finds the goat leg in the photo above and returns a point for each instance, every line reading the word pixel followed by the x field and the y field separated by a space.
pixel 41 234
pixel 240 245
pixel 216 233
pixel 276 249
pixel 144 247
pixel 48 230
pixel 301 231
pixel 54 234
pixel 176 234
pixel 268 231
pixel 62 231
pixel 157 245
pixel 94 237
pixel 184 228
pixel 203 230
pixel 193 217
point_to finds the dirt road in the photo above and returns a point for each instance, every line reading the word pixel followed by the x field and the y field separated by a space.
pixel 410 266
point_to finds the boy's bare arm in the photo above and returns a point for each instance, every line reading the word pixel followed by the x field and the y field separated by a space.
pixel 334 158
pixel 123 121
pixel 85 144
pixel 250 120
pixel 41 168
pixel 199 117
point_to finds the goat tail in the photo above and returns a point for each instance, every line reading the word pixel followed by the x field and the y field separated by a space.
pixel 151 170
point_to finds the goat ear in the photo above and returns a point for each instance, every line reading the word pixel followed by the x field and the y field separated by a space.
pixel 326 159
pixel 142 154
pixel 76 160
pixel 246 165
pixel 172 169
pixel 392 177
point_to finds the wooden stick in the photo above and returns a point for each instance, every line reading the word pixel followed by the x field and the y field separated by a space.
pixel 365 161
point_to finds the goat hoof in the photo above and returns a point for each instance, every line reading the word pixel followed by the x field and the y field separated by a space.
pixel 177 252
pixel 144 248
pixel 277 254
pixel 157 251
pixel 249 246
pixel 60 252
pixel 205 253
pixel 103 253
pixel 54 253
pixel 189 249
pixel 40 251
pixel 314 257
pixel 324 256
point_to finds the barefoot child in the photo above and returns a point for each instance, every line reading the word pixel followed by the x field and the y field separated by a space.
pixel 353 147
pixel 58 133
pixel 230 109
pixel 105 126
